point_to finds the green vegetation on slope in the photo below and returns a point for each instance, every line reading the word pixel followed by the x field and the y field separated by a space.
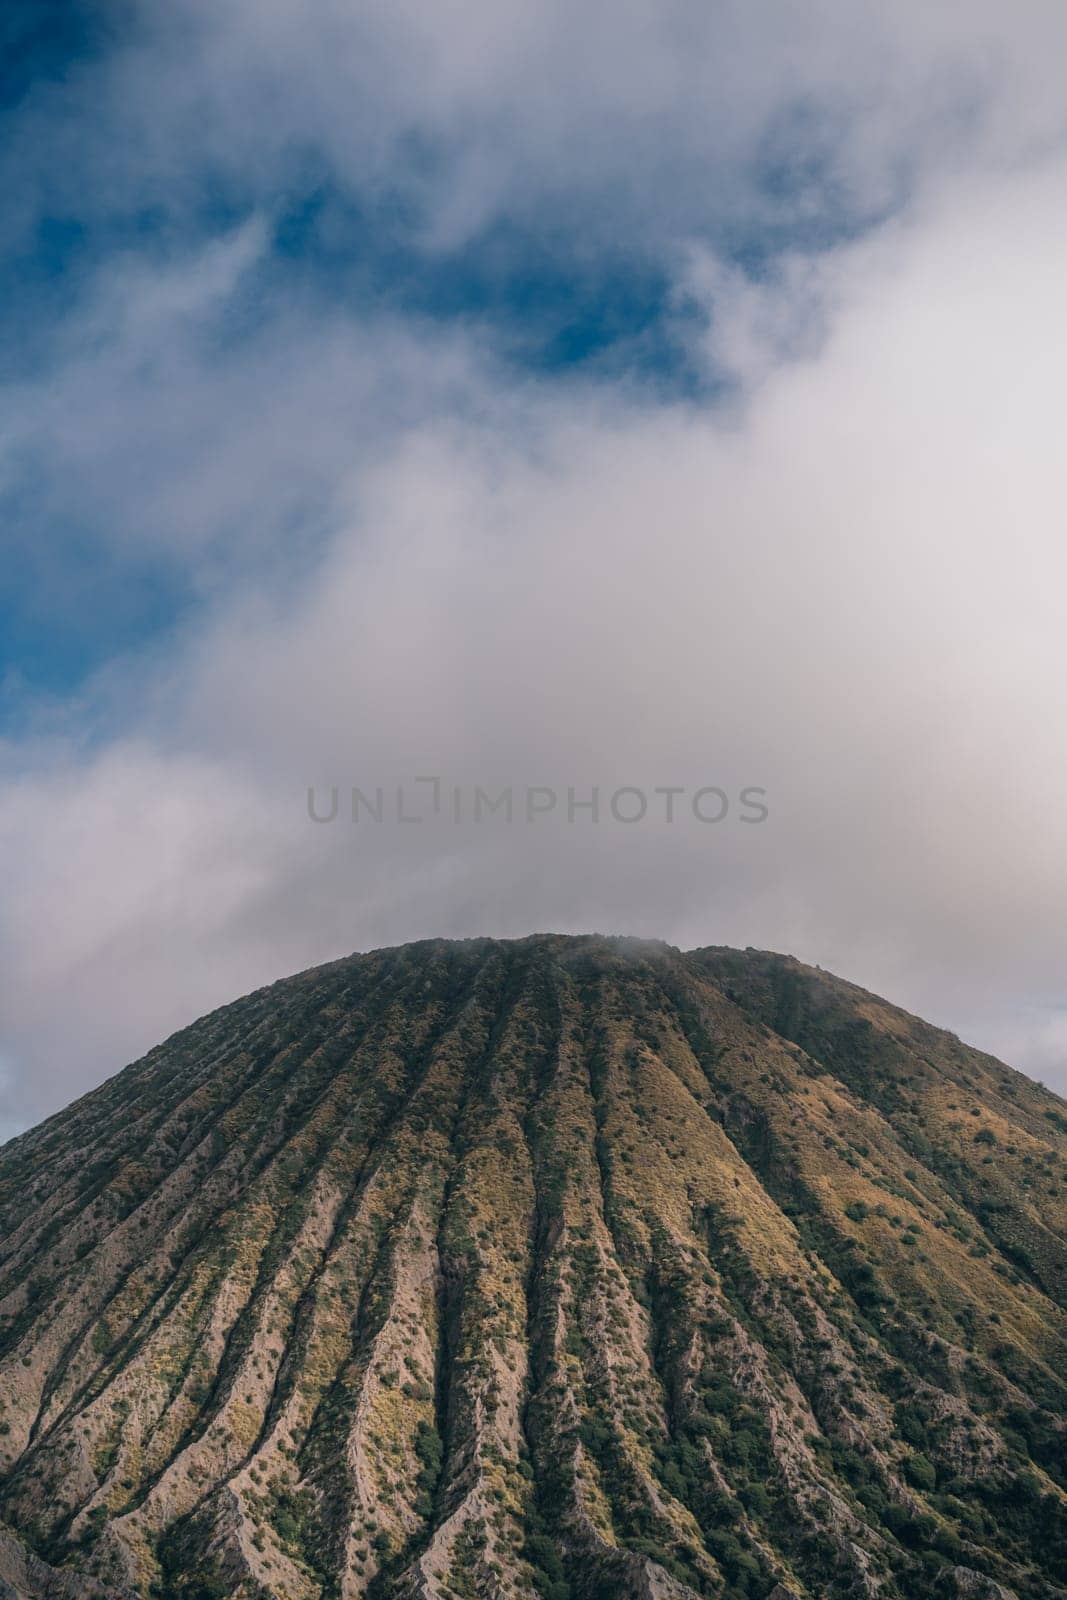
pixel 563 1268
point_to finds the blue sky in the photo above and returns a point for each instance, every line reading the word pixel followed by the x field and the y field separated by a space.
pixel 571 279
pixel 604 393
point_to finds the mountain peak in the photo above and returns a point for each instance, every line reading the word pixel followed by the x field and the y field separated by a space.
pixel 569 1266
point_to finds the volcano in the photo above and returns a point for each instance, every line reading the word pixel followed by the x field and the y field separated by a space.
pixel 568 1268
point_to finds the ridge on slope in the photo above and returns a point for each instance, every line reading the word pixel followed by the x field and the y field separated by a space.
pixel 563 1267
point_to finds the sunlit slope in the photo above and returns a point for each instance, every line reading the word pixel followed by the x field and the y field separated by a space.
pixel 563 1267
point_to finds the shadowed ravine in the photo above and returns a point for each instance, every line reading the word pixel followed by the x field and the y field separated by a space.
pixel 568 1267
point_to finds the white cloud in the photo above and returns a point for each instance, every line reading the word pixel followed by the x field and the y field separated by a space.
pixel 637 119
pixel 846 587
pixel 164 435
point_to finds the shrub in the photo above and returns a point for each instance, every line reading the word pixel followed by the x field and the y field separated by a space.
pixel 919 1471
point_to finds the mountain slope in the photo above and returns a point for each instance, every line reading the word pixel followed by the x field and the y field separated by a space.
pixel 561 1267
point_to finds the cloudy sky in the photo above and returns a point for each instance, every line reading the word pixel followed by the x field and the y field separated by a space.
pixel 547 397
